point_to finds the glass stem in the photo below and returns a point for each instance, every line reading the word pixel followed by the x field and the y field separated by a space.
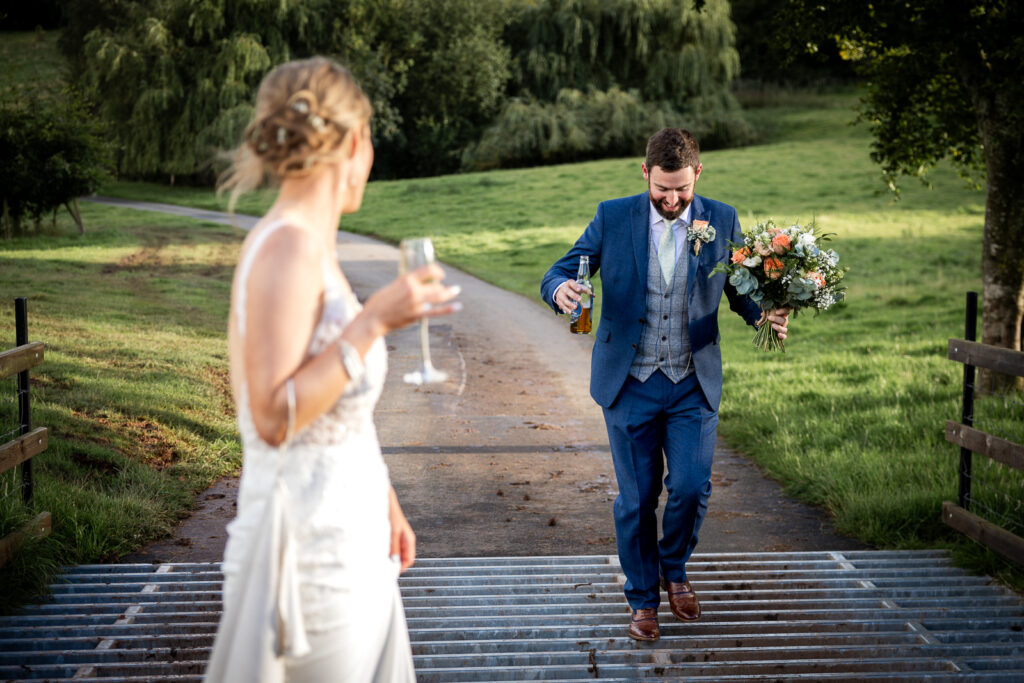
pixel 425 343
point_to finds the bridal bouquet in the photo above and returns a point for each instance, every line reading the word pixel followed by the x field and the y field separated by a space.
pixel 779 267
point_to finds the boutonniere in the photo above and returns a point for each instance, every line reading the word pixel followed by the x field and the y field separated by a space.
pixel 700 233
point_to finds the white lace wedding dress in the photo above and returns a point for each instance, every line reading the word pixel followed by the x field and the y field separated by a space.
pixel 310 593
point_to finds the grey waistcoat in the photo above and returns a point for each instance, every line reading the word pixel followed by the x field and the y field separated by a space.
pixel 665 339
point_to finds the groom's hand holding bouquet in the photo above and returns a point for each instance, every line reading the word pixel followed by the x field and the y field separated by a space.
pixel 783 268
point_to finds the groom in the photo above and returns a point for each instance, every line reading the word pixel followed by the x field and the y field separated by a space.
pixel 656 368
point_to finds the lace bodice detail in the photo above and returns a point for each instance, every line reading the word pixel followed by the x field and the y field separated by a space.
pixel 354 408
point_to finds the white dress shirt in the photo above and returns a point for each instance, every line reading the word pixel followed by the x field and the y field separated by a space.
pixel 658 228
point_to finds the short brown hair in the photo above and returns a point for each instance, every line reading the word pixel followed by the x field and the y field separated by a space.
pixel 672 149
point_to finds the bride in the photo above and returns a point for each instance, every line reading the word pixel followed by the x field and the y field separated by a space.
pixel 313 556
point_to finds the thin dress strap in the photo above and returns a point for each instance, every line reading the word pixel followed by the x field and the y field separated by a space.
pixel 243 271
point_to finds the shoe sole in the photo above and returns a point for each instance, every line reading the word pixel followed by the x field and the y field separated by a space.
pixel 687 619
pixel 645 640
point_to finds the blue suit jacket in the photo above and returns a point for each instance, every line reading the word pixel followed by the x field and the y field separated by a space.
pixel 617 242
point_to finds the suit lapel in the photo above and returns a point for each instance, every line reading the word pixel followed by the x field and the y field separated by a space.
pixel 640 227
pixel 697 213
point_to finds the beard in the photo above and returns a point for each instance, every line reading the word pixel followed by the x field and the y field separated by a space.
pixel 659 206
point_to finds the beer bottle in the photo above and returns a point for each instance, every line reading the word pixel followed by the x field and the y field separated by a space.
pixel 580 320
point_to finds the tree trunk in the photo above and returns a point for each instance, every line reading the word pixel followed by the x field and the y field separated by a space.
pixel 72 208
pixel 1003 246
pixel 8 228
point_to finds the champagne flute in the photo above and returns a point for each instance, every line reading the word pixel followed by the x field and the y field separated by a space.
pixel 412 254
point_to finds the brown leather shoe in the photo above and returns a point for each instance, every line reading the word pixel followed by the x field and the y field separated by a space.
pixel 643 625
pixel 682 600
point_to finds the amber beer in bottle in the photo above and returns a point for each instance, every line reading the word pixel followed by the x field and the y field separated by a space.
pixel 580 321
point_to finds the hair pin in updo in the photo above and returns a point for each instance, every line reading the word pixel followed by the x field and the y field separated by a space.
pixel 317 122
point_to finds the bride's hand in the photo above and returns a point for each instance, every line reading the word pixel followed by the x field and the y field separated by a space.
pixel 403 540
pixel 412 296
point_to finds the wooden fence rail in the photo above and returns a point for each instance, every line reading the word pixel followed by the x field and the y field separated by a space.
pixel 957 515
pixel 30 442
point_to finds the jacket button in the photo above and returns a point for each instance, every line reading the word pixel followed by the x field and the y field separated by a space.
pixel 642 321
pixel 634 346
pixel 664 338
pixel 664 317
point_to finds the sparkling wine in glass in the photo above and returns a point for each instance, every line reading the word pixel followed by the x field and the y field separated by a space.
pixel 413 254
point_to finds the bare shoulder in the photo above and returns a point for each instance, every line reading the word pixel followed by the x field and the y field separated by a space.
pixel 282 254
pixel 281 240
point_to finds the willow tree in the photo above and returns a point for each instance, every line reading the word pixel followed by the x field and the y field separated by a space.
pixel 638 64
pixel 447 69
pixel 667 50
pixel 945 79
pixel 175 80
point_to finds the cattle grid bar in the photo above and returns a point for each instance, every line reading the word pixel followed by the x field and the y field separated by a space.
pixel 801 616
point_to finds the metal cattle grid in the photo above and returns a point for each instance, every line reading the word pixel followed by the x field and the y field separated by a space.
pixel 802 616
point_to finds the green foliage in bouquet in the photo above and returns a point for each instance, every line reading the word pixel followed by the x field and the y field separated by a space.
pixel 784 268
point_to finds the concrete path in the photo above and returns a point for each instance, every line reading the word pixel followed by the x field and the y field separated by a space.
pixel 509 457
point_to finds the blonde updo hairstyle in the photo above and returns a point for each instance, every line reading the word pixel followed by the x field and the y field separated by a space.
pixel 305 114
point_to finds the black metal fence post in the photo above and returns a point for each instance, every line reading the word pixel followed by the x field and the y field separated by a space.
pixel 967 413
pixel 24 408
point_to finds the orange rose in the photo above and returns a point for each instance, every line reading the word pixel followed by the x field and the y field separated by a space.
pixel 817 277
pixel 780 243
pixel 773 268
pixel 740 255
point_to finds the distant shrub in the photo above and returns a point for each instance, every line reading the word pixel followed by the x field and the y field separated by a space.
pixel 579 126
pixel 53 153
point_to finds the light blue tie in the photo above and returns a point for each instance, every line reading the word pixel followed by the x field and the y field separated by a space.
pixel 667 251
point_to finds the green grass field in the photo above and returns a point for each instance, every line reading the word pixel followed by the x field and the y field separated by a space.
pixel 30 60
pixel 851 418
pixel 133 388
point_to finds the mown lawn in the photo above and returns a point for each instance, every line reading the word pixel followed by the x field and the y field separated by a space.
pixel 133 388
pixel 30 62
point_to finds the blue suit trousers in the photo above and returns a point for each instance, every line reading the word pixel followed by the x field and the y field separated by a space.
pixel 651 425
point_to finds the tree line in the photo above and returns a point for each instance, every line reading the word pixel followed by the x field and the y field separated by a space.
pixel 456 84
